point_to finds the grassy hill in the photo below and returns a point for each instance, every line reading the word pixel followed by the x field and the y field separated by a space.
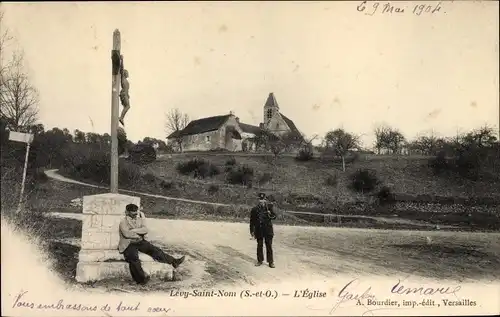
pixel 313 183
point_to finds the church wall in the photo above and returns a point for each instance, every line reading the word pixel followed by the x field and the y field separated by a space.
pixel 277 125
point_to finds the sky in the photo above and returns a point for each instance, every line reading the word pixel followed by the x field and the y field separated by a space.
pixel 329 65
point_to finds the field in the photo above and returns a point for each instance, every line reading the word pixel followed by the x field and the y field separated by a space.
pixel 318 186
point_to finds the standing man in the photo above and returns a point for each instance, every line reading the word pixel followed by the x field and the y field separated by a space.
pixel 261 228
pixel 132 241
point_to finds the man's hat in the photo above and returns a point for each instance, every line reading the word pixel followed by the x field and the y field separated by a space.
pixel 132 207
pixel 262 196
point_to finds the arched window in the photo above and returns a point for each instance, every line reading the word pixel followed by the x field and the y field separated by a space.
pixel 269 113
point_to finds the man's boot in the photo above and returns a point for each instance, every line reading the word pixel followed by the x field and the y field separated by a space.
pixel 259 263
pixel 178 262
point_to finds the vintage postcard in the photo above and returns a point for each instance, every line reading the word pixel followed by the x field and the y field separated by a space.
pixel 323 158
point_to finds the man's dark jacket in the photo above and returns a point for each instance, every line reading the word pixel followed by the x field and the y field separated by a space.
pixel 261 224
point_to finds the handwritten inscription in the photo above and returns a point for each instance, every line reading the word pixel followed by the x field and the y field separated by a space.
pixel 388 8
pixel 400 289
pixel 20 301
pixel 350 293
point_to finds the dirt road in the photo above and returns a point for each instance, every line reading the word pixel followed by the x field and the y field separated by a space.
pixel 223 253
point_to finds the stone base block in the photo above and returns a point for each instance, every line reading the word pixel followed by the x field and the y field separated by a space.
pixel 107 256
pixel 95 271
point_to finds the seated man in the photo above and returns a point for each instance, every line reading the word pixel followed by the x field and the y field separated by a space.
pixel 132 241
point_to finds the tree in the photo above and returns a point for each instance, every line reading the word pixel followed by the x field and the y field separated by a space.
pixel 5 39
pixel 395 141
pixel 160 145
pixel 381 132
pixel 36 129
pixel 79 136
pixel 428 144
pixel 176 122
pixel 388 138
pixel 18 98
pixel 341 142
pixel 482 137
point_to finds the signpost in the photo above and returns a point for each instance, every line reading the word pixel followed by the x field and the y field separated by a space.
pixel 24 138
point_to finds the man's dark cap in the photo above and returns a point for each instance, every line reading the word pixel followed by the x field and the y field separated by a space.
pixel 262 196
pixel 132 207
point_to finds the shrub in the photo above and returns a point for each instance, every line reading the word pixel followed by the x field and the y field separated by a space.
pixel 142 154
pixel 468 163
pixel 205 170
pixel 231 161
pixel 166 185
pixel 332 180
pixel 149 178
pixel 265 178
pixel 39 176
pixel 304 155
pixel 439 164
pixel 242 175
pixel 198 167
pixel 95 165
pixel 364 181
pixel 385 195
pixel 212 189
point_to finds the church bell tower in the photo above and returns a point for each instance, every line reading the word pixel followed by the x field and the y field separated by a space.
pixel 270 109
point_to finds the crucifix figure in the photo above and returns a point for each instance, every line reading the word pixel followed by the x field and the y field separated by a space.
pixel 124 96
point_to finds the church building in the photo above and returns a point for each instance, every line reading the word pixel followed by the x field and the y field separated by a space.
pixel 226 132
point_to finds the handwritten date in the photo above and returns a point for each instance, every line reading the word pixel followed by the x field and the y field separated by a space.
pixel 390 8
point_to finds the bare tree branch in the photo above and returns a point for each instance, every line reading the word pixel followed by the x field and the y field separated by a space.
pixel 18 98
pixel 176 121
pixel 5 39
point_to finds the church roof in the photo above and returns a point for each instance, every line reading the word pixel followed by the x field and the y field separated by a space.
pixel 271 101
pixel 201 126
pixel 247 128
pixel 290 124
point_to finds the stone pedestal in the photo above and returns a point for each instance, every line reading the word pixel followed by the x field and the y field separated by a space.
pixel 99 257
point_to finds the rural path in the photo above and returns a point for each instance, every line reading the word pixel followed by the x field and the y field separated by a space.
pixel 219 252
pixel 53 174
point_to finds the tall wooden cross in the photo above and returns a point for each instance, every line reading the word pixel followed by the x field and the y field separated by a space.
pixel 115 104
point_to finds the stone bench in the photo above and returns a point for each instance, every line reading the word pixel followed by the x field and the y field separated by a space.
pixel 95 266
pixel 99 258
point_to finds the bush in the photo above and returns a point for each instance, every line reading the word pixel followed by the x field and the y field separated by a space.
pixel 149 178
pixel 385 195
pixel 166 185
pixel 468 163
pixel 231 161
pixel 439 164
pixel 265 178
pixel 332 180
pixel 304 155
pixel 95 165
pixel 364 181
pixel 212 189
pixel 242 175
pixel 142 154
pixel 198 167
